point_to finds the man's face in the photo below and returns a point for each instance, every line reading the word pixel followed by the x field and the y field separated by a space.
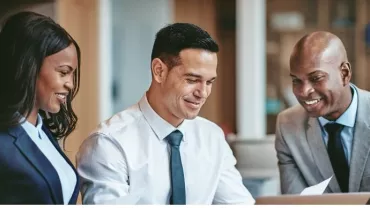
pixel 188 85
pixel 319 86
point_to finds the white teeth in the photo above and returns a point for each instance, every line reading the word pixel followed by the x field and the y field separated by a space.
pixel 311 102
pixel 61 96
pixel 193 103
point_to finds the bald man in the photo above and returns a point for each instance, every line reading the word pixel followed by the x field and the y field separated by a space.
pixel 328 133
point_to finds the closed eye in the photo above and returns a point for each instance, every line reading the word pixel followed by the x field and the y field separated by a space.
pixel 210 82
pixel 316 79
pixel 296 81
pixel 192 81
pixel 64 73
pixel 64 70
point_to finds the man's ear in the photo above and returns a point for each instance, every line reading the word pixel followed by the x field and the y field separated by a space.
pixel 159 70
pixel 346 72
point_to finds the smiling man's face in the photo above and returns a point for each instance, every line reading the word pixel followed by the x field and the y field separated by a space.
pixel 188 84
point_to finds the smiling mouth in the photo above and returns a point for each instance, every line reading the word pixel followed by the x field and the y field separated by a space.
pixel 62 97
pixel 193 103
pixel 312 101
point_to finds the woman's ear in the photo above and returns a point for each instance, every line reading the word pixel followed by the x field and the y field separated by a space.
pixel 159 70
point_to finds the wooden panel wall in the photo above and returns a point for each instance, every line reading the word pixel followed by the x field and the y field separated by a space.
pixel 80 19
pixel 361 75
pixel 226 14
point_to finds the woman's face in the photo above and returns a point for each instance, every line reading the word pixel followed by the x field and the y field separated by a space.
pixel 55 80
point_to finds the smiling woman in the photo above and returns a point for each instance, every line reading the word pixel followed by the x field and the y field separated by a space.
pixel 39 77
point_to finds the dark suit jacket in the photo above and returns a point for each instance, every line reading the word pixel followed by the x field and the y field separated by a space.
pixel 302 154
pixel 26 175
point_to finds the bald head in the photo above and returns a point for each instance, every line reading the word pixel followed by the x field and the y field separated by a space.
pixel 321 75
pixel 318 47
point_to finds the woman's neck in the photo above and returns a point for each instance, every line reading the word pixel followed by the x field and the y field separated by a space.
pixel 32 118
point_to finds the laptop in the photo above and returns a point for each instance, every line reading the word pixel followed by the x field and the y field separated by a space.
pixel 361 198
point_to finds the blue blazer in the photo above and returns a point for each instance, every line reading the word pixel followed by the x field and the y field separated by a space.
pixel 26 175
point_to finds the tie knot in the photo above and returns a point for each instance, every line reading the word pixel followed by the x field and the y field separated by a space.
pixel 333 128
pixel 174 139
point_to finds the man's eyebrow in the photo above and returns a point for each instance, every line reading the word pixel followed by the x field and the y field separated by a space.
pixel 309 74
pixel 193 75
pixel 315 72
pixel 199 76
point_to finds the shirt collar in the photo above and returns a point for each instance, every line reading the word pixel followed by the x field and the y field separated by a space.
pixel 348 118
pixel 160 126
pixel 30 128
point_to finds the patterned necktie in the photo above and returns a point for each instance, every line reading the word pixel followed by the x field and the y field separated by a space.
pixel 336 154
pixel 178 195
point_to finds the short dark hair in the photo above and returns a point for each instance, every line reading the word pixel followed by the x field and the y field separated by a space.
pixel 174 38
pixel 26 39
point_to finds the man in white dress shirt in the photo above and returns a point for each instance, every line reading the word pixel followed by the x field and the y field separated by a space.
pixel 158 151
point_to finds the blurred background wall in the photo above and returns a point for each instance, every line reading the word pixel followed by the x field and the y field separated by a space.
pixel 253 86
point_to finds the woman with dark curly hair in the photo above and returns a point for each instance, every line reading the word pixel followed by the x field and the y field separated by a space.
pixel 39 77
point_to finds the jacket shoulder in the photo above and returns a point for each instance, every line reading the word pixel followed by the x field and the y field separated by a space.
pixel 5 137
pixel 295 114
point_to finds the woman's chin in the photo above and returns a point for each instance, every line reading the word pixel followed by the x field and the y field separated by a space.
pixel 53 110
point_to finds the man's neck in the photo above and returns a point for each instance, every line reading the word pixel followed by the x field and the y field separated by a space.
pixel 154 100
pixel 347 100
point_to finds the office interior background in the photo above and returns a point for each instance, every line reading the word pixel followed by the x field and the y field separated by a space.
pixel 253 84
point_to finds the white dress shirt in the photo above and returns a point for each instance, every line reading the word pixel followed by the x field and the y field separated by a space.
pixel 126 161
pixel 67 176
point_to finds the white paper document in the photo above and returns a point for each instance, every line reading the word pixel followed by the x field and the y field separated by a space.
pixel 317 189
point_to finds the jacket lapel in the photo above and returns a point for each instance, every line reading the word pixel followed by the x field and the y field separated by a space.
pixel 74 196
pixel 320 154
pixel 361 142
pixel 33 154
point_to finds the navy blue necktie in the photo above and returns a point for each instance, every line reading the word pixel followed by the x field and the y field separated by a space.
pixel 178 195
pixel 336 154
